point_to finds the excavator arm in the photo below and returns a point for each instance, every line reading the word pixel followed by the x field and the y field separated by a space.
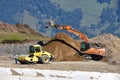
pixel 69 29
pixel 87 49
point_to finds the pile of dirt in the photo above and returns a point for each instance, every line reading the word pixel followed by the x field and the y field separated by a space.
pixel 64 48
pixel 112 47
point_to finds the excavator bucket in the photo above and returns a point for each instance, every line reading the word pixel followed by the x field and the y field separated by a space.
pixel 50 23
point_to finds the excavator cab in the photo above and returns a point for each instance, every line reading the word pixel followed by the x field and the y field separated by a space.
pixel 84 46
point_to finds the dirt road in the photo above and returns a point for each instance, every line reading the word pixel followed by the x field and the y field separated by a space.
pixel 72 66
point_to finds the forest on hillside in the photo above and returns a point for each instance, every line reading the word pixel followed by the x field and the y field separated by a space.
pixel 45 10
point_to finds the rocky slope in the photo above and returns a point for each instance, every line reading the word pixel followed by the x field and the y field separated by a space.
pixel 11 35
pixel 18 33
pixel 20 28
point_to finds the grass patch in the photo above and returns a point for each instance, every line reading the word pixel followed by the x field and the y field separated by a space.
pixel 19 37
pixel 14 37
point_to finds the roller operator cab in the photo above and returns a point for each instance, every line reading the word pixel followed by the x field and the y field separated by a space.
pixel 36 55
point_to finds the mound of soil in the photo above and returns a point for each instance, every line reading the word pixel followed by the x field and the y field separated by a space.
pixel 112 47
pixel 64 48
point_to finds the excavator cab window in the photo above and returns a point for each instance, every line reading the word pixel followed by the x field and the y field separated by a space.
pixel 85 46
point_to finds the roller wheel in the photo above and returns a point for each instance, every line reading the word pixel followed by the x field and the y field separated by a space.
pixel 45 59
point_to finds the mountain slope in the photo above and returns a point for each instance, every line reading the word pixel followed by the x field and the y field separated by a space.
pixel 93 17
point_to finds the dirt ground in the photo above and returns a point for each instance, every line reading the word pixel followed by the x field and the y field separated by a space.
pixel 63 65
pixel 66 60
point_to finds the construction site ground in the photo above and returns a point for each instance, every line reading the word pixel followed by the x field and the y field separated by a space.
pixel 95 66
pixel 65 50
pixel 63 47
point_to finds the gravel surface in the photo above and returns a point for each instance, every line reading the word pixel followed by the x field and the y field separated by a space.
pixel 65 65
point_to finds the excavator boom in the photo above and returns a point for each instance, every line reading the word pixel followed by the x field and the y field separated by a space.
pixel 70 29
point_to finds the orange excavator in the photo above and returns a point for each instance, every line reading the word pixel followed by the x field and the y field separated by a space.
pixel 87 49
